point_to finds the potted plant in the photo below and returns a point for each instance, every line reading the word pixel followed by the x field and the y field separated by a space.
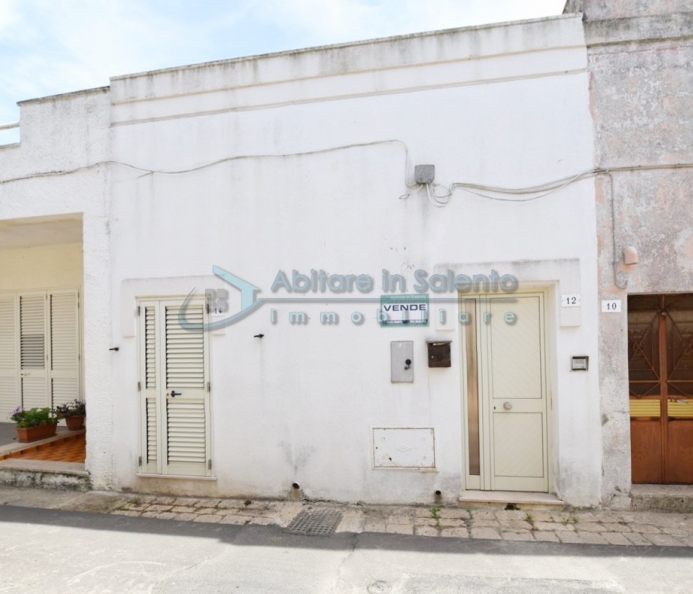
pixel 73 413
pixel 35 423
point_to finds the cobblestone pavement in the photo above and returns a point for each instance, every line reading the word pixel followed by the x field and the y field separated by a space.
pixel 587 527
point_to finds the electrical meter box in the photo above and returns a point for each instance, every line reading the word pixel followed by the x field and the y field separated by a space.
pixel 402 361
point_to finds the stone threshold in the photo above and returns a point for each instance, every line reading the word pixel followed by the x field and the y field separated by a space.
pixel 520 499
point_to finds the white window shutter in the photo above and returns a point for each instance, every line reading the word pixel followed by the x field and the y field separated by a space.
pixel 32 349
pixel 185 353
pixel 9 360
pixel 149 328
pixel 173 382
pixel 186 435
pixel 187 419
pixel 33 331
pixel 151 454
pixel 150 346
pixel 64 351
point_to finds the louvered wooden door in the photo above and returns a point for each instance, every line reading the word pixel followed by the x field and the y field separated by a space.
pixel 64 369
pixel 174 371
pixel 33 346
pixel 39 350
pixel 9 357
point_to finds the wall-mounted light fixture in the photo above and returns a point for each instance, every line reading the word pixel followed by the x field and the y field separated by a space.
pixel 580 363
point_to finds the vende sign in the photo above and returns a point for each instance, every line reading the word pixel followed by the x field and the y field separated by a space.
pixel 403 309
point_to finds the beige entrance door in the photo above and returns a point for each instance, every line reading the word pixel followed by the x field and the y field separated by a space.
pixel 506 393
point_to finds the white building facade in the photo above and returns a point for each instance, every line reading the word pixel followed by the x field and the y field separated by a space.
pixel 247 232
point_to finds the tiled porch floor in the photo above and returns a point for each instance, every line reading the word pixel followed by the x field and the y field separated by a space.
pixel 70 449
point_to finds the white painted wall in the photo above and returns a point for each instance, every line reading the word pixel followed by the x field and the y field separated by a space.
pixel 298 161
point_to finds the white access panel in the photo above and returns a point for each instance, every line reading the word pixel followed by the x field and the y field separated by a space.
pixel 404 447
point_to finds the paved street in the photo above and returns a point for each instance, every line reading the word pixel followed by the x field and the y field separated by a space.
pixel 55 550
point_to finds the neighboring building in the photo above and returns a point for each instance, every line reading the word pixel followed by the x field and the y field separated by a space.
pixel 178 198
pixel 641 67
pixel 54 262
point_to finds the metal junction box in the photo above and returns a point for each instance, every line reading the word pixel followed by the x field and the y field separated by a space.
pixel 402 361
pixel 439 354
pixel 424 174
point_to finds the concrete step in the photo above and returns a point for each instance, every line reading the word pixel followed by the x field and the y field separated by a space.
pixel 20 472
pixel 665 498
pixel 509 500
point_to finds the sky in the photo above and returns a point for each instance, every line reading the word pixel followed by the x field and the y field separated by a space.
pixel 58 46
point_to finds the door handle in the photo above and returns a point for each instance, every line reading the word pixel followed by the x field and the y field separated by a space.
pixel 174 393
pixel 508 405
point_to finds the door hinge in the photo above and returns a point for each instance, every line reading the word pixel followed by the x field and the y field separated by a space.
pixel 207 307
pixel 140 460
pixel 209 465
pixel 209 387
pixel 139 386
pixel 139 312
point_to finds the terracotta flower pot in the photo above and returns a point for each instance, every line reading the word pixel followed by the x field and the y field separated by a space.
pixel 75 423
pixel 25 434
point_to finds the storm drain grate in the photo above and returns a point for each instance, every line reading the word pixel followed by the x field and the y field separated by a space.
pixel 317 523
